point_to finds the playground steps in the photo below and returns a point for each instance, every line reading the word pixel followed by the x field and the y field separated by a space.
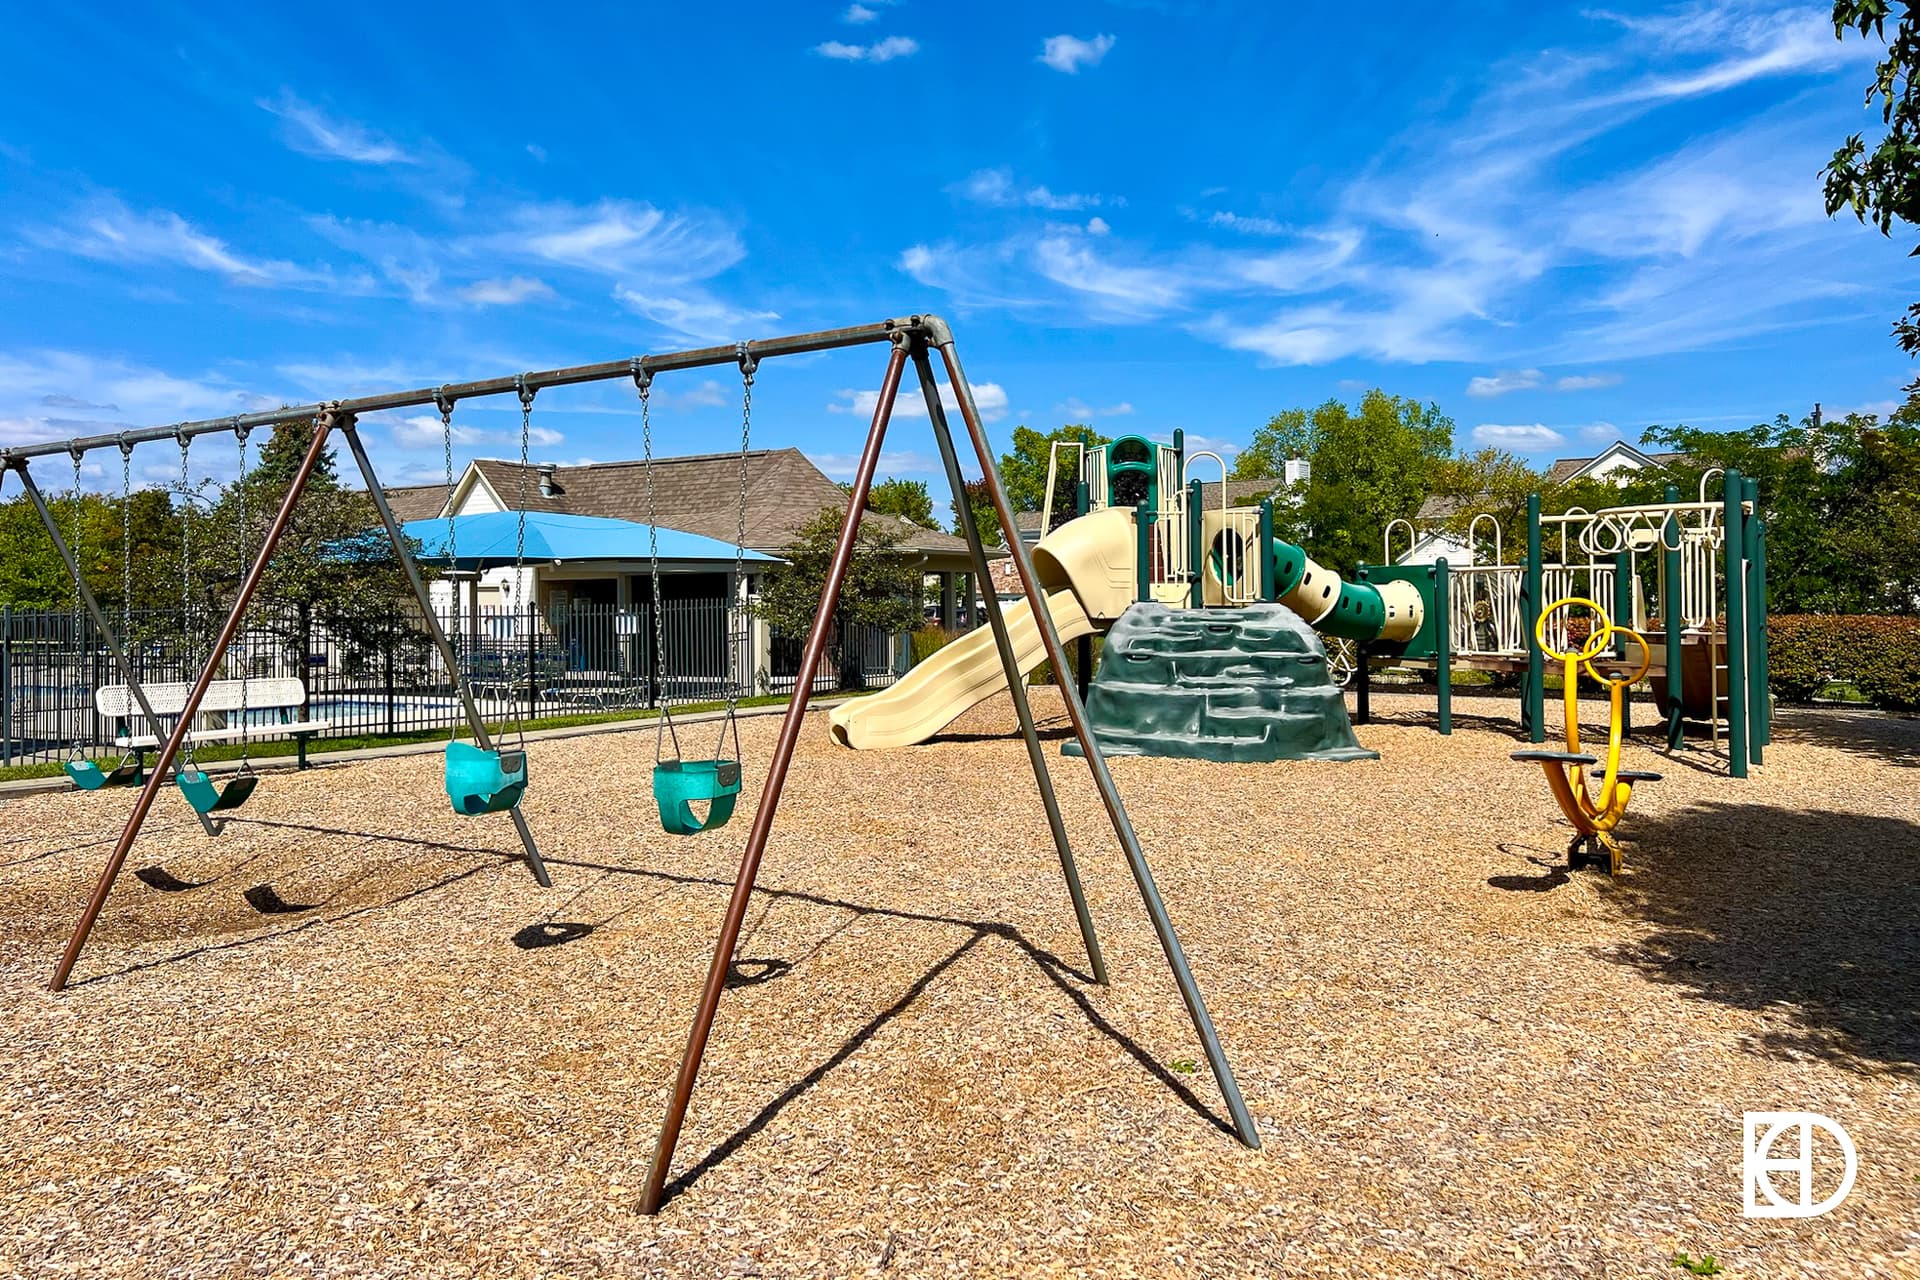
pixel 1247 684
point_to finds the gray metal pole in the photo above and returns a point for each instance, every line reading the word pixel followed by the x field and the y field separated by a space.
pixel 475 721
pixel 114 646
pixel 942 337
pixel 1016 678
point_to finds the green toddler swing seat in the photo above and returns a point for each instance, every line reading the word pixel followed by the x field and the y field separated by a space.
pixel 481 781
pixel 677 784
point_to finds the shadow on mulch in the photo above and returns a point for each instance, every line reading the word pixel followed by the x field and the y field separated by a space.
pixel 1810 915
pixel 1064 977
pixel 1878 735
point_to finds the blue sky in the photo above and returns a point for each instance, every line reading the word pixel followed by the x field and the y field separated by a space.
pixel 1562 225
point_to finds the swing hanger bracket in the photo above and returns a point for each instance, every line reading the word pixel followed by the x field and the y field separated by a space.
pixel 526 390
pixel 749 360
pixel 642 375
pixel 242 428
pixel 443 402
pixel 126 445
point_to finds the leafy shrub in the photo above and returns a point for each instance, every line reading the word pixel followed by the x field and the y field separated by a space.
pixel 1878 655
pixel 930 639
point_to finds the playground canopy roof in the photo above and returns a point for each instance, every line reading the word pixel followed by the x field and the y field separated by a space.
pixel 491 540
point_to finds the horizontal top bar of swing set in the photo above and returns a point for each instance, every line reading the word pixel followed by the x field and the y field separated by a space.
pixel 931 326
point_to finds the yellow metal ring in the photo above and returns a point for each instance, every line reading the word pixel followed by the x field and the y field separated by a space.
pixel 1646 655
pixel 1596 641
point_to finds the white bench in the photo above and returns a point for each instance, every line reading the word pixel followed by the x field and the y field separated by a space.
pixel 284 696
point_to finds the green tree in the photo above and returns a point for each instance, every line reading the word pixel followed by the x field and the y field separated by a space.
pixel 1490 481
pixel 1024 471
pixel 907 499
pixel 882 589
pixel 1883 186
pixel 1369 467
pixel 974 493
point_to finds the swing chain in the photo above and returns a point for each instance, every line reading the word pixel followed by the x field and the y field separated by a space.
pixel 241 431
pixel 126 543
pixel 663 726
pixel 76 752
pixel 189 662
pixel 749 363
pixel 521 596
pixel 444 403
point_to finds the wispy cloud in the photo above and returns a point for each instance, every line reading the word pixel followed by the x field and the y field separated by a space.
pixel 989 397
pixel 506 292
pixel 1070 53
pixel 997 189
pixel 1252 225
pixel 694 314
pixel 1524 438
pixel 879 51
pixel 108 231
pixel 1506 380
pixel 52 394
pixel 311 131
pixel 1586 381
pixel 1080 411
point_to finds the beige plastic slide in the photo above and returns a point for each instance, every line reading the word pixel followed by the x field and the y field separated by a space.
pixel 1086 569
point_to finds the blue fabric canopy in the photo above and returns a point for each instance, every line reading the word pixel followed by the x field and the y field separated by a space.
pixel 489 540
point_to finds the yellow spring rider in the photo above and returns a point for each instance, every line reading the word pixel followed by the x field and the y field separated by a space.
pixel 1593 820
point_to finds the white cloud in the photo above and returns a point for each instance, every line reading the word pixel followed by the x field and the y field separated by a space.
pixel 695 314
pixel 1110 288
pixel 425 431
pixel 1196 443
pixel 1600 432
pixel 879 51
pixel 989 397
pixel 537 151
pixel 1586 381
pixel 311 131
pixel 1252 225
pixel 1079 410
pixel 1097 226
pixel 92 395
pixel 1070 53
pixel 506 292
pixel 704 395
pixel 619 238
pixel 856 14
pixel 996 188
pixel 1533 436
pixel 108 231
pixel 1506 380
pixel 893 462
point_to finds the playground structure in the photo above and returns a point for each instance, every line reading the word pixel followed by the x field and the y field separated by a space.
pixel 483 778
pixel 1137 530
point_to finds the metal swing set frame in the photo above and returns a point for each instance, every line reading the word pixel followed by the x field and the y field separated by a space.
pixel 914 338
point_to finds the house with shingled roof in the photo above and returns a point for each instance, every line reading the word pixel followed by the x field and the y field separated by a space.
pixel 699 494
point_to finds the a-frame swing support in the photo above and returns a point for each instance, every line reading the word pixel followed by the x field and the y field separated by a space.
pixel 912 338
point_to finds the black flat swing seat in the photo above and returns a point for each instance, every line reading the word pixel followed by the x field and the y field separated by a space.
pixel 481 781
pixel 89 776
pixel 1556 757
pixel 200 792
pixel 678 784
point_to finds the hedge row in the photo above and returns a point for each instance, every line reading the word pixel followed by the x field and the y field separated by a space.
pixel 1878 656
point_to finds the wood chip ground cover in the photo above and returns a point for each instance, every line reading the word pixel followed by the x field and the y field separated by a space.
pixel 1462 1062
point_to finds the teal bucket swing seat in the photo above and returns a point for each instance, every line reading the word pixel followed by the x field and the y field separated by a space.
pixel 89 776
pixel 482 781
pixel 679 784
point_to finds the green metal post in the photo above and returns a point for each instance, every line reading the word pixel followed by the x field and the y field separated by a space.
pixel 1623 614
pixel 1082 499
pixel 1759 602
pixel 1269 569
pixel 1196 557
pixel 1443 644
pixel 1670 608
pixel 1736 623
pixel 1143 548
pixel 1756 626
pixel 1533 698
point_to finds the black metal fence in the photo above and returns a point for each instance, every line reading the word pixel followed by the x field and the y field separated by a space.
pixel 375 673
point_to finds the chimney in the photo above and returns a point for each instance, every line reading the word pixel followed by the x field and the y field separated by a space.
pixel 547 487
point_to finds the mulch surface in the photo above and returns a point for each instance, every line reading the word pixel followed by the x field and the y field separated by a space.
pixel 1462 1061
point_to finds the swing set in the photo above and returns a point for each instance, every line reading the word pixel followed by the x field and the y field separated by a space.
pixel 484 778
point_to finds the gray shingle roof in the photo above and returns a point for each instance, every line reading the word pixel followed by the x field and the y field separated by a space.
pixel 417 501
pixel 700 494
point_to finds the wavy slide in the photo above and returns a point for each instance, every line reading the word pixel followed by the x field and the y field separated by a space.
pixel 1086 570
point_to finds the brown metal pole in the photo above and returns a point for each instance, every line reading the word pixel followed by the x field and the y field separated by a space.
pixel 1096 759
pixel 155 780
pixel 770 793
